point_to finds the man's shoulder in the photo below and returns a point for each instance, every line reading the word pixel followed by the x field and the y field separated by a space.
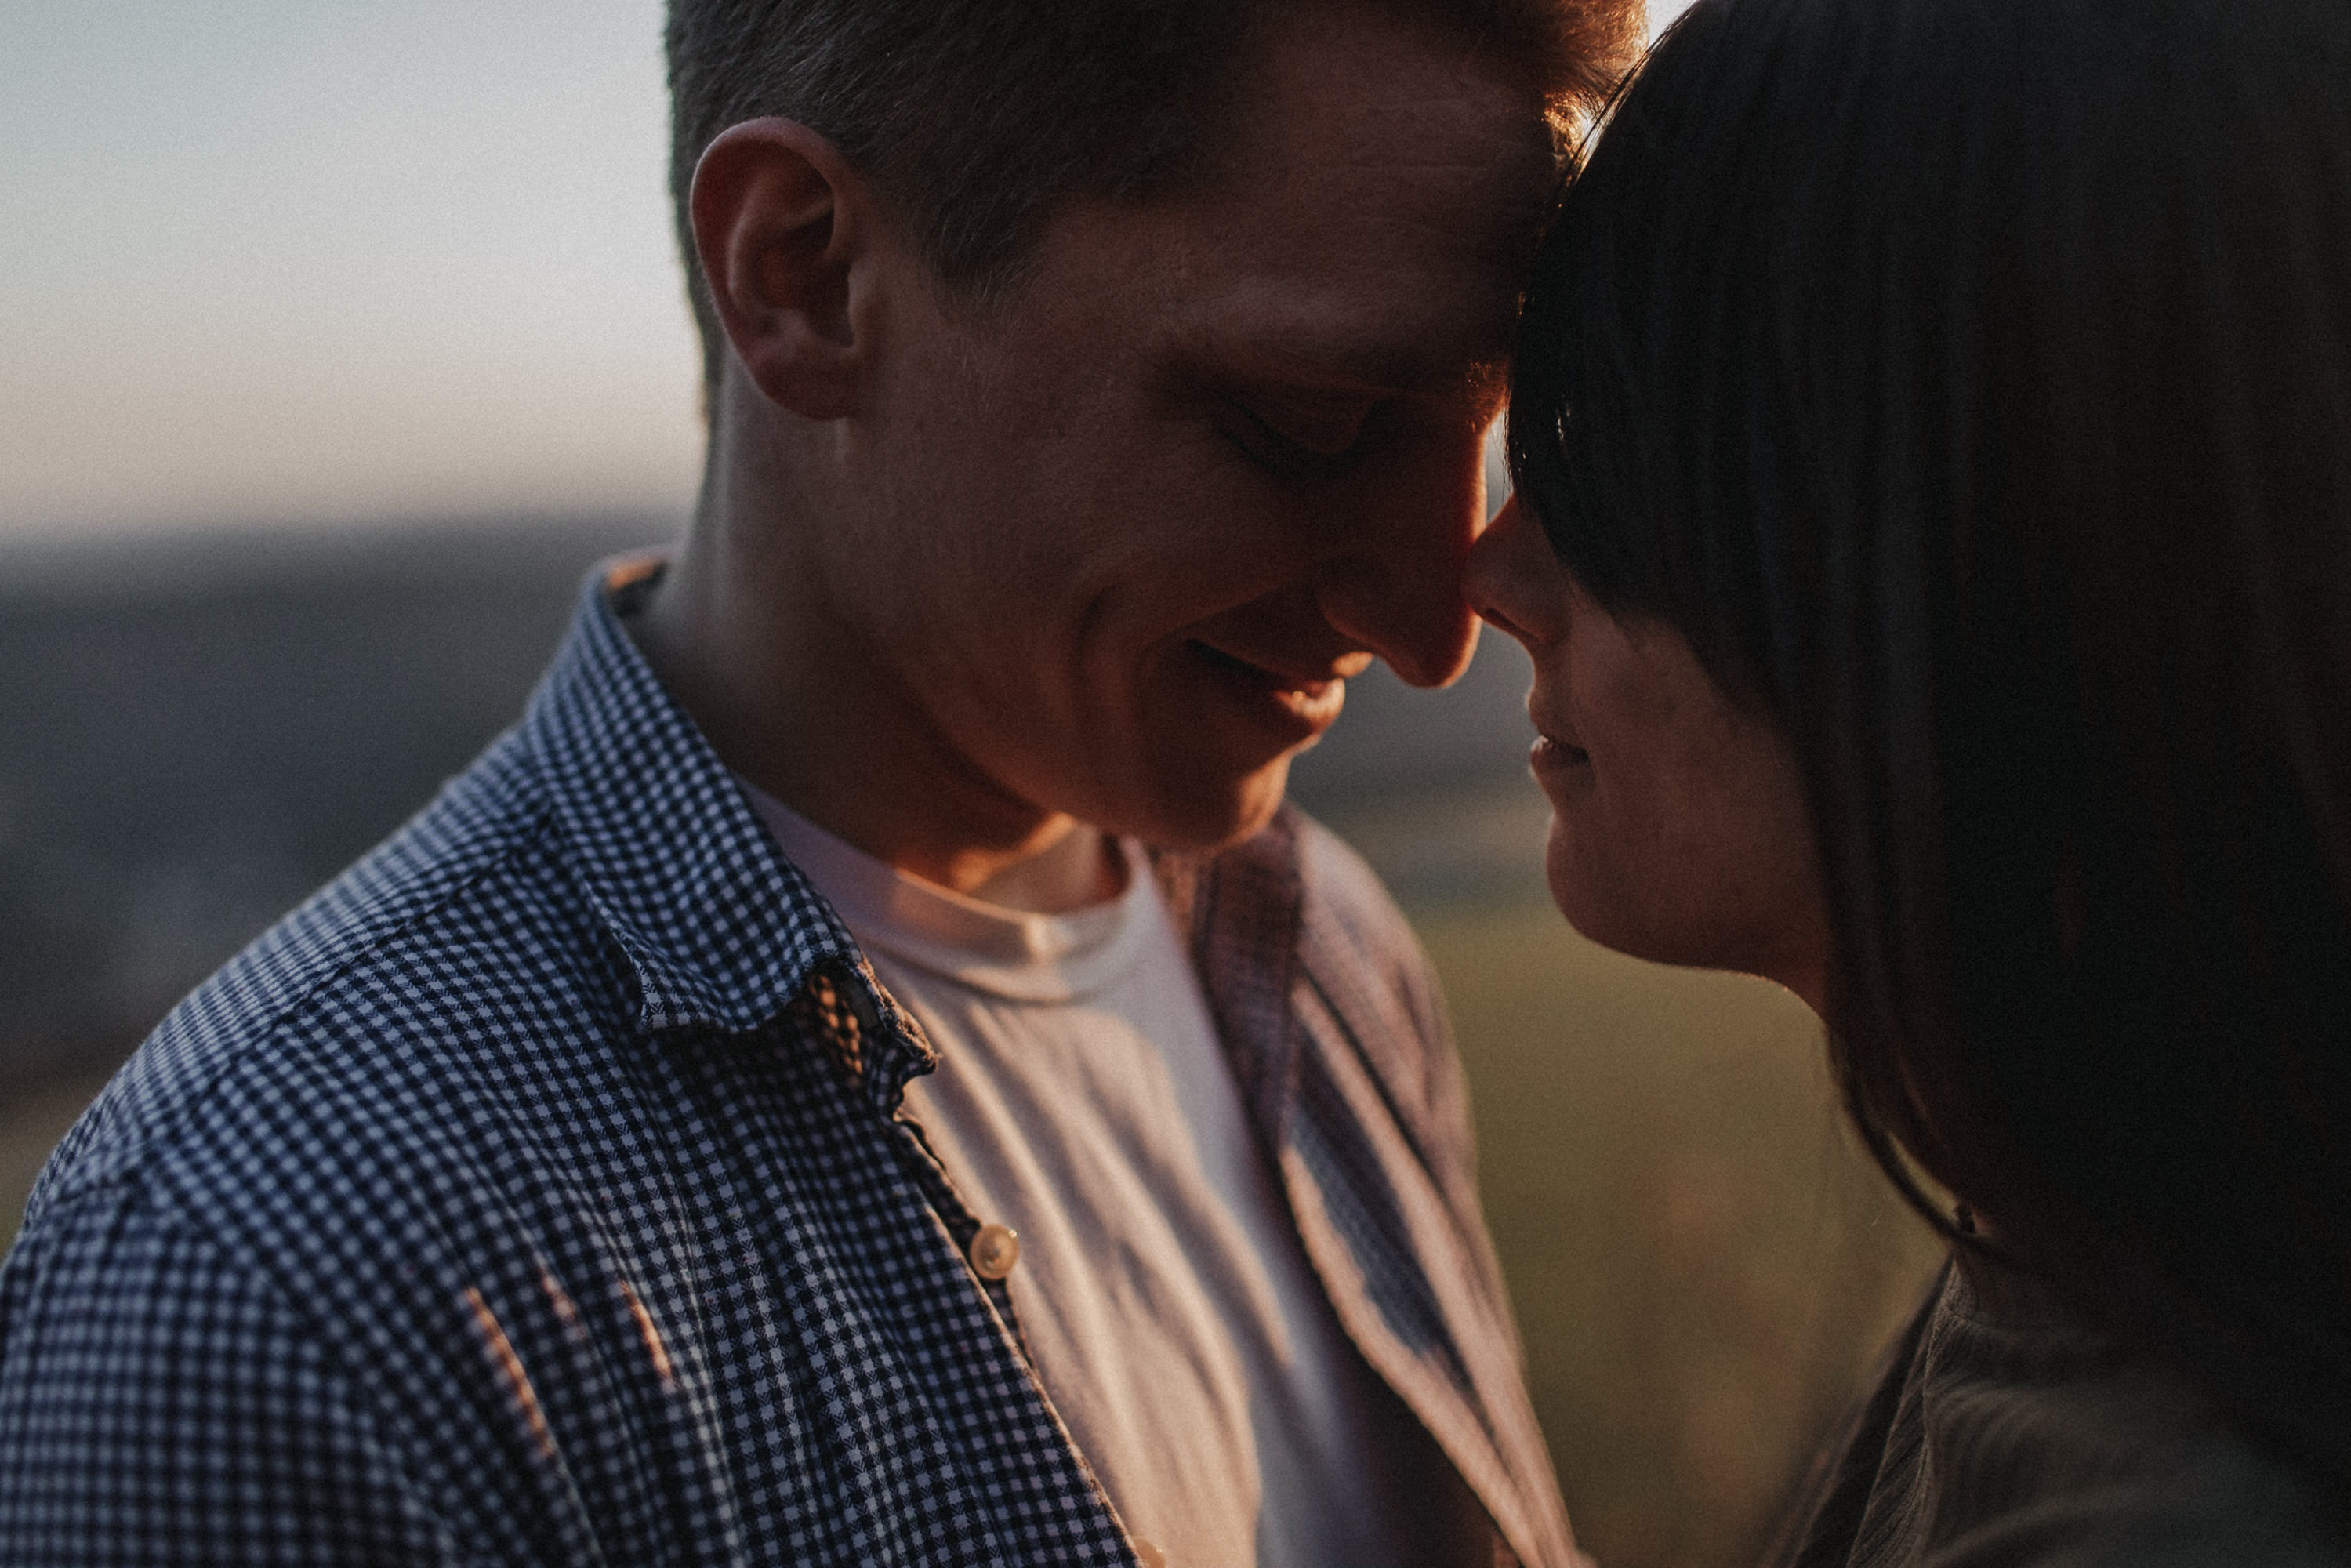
pixel 1340 891
pixel 1292 883
pixel 339 1020
pixel 1355 946
pixel 1293 930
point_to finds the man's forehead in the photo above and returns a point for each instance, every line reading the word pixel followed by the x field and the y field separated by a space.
pixel 1382 193
pixel 1393 293
pixel 1379 200
pixel 1356 92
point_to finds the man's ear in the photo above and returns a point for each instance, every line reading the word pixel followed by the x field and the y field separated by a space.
pixel 780 221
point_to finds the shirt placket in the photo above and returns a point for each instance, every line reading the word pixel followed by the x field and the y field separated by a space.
pixel 838 1008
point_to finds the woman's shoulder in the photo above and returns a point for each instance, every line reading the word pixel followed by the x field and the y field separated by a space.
pixel 2002 1432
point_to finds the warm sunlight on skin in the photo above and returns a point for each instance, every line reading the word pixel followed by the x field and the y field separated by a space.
pixel 1679 829
pixel 1108 552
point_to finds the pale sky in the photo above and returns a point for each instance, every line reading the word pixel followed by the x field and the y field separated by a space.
pixel 288 261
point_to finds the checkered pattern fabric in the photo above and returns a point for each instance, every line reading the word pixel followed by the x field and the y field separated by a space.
pixel 539 1193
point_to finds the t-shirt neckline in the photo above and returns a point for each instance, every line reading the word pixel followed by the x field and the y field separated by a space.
pixel 1006 953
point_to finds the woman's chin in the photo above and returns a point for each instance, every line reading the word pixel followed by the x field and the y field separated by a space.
pixel 1612 922
pixel 1598 910
pixel 1597 918
pixel 1662 913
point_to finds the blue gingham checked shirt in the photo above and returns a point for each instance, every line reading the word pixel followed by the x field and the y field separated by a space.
pixel 535 1194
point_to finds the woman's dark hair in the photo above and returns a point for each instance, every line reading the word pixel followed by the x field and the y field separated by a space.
pixel 1970 381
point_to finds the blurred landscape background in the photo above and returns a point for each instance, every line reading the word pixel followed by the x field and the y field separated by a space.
pixel 277 274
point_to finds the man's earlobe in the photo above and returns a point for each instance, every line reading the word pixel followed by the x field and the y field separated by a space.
pixel 779 224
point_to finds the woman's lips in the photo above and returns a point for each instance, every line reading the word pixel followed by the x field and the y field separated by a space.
pixel 1552 758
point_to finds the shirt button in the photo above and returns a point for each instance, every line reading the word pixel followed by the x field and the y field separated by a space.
pixel 995 1250
pixel 1152 1557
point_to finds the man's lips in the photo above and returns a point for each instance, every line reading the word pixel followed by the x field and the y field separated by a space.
pixel 1308 680
pixel 1307 699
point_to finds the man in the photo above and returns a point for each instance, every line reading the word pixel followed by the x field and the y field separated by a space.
pixel 774 1108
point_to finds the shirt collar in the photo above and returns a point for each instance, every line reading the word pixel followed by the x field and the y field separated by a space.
pixel 721 929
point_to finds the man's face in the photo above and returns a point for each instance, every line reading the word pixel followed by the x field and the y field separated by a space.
pixel 1130 530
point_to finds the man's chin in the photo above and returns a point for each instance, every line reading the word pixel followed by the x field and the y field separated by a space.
pixel 1215 815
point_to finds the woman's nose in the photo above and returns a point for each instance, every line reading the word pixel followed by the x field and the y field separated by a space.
pixel 1511 578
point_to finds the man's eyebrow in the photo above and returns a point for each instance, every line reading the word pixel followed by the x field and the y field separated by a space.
pixel 1352 364
pixel 1349 362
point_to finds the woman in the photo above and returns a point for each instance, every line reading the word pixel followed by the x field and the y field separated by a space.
pixel 1937 415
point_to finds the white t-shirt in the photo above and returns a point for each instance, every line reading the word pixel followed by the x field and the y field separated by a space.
pixel 1082 1099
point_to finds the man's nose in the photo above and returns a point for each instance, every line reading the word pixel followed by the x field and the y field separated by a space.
pixel 1395 585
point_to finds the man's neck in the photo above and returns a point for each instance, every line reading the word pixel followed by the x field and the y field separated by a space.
pixel 1080 868
pixel 783 709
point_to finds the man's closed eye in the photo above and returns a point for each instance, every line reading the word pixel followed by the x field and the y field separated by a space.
pixel 1299 448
